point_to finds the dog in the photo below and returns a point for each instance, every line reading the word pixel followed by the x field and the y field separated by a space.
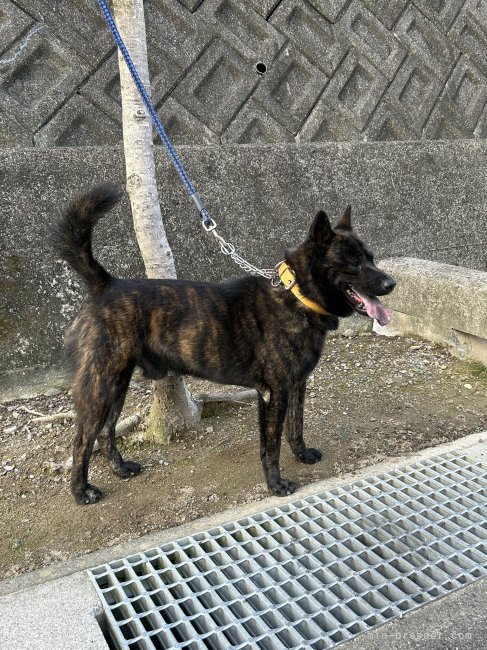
pixel 250 332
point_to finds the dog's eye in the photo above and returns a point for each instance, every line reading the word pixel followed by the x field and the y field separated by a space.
pixel 353 269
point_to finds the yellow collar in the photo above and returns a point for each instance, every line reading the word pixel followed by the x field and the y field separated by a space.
pixel 288 279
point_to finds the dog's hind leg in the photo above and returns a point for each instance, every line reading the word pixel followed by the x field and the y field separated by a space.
pixel 293 426
pixel 88 426
pixel 83 491
pixel 98 393
pixel 271 418
pixel 106 438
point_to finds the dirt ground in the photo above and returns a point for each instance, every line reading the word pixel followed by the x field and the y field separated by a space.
pixel 369 398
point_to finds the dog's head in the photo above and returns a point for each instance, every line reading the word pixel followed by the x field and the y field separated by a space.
pixel 334 265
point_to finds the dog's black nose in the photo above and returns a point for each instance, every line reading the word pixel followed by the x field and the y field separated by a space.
pixel 387 286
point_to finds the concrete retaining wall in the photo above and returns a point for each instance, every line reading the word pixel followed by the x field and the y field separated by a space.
pixel 336 70
pixel 421 199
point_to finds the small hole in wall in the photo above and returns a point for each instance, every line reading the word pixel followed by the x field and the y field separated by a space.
pixel 261 68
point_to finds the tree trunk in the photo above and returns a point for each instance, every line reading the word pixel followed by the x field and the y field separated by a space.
pixel 173 407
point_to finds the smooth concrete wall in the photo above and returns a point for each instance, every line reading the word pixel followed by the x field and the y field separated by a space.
pixel 420 199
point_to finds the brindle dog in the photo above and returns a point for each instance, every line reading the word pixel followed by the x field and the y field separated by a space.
pixel 245 332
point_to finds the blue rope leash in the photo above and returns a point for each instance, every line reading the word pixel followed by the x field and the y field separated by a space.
pixel 208 224
pixel 206 219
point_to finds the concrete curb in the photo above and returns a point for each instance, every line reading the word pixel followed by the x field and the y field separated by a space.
pixel 455 622
pixel 442 303
pixel 59 615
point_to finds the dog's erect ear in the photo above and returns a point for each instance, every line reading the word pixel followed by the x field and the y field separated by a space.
pixel 321 231
pixel 345 222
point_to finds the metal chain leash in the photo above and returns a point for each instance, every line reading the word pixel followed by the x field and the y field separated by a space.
pixel 207 222
pixel 229 249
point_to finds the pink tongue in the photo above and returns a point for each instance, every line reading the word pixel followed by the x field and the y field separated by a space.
pixel 375 309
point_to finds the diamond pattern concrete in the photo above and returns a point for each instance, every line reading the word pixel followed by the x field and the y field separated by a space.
pixel 13 23
pixel 466 93
pixel 76 123
pixel 313 35
pixel 341 70
pixel 387 11
pixel 79 25
pixel 183 127
pixel 369 37
pixel 215 89
pixel 424 40
pixel 253 125
pixel 292 89
pixel 38 79
pixel 470 37
pixel 441 12
pixel 413 92
pixel 244 28
pixel 355 89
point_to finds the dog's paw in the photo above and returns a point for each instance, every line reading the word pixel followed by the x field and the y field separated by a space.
pixel 310 456
pixel 90 494
pixel 283 487
pixel 127 468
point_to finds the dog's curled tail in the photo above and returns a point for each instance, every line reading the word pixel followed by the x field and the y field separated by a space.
pixel 71 236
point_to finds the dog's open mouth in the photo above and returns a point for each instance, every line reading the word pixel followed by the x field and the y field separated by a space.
pixel 368 306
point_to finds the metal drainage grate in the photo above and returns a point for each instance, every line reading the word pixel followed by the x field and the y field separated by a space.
pixel 310 574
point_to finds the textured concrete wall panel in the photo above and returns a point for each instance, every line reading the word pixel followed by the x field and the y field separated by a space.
pixel 335 70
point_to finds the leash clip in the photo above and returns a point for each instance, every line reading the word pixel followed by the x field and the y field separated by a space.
pixel 276 281
pixel 207 222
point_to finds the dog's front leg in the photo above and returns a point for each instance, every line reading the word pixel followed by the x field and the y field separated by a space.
pixel 271 417
pixel 293 426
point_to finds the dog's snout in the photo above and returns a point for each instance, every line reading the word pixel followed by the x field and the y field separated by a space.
pixel 388 285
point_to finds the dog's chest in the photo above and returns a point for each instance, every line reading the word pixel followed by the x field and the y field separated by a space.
pixel 299 347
